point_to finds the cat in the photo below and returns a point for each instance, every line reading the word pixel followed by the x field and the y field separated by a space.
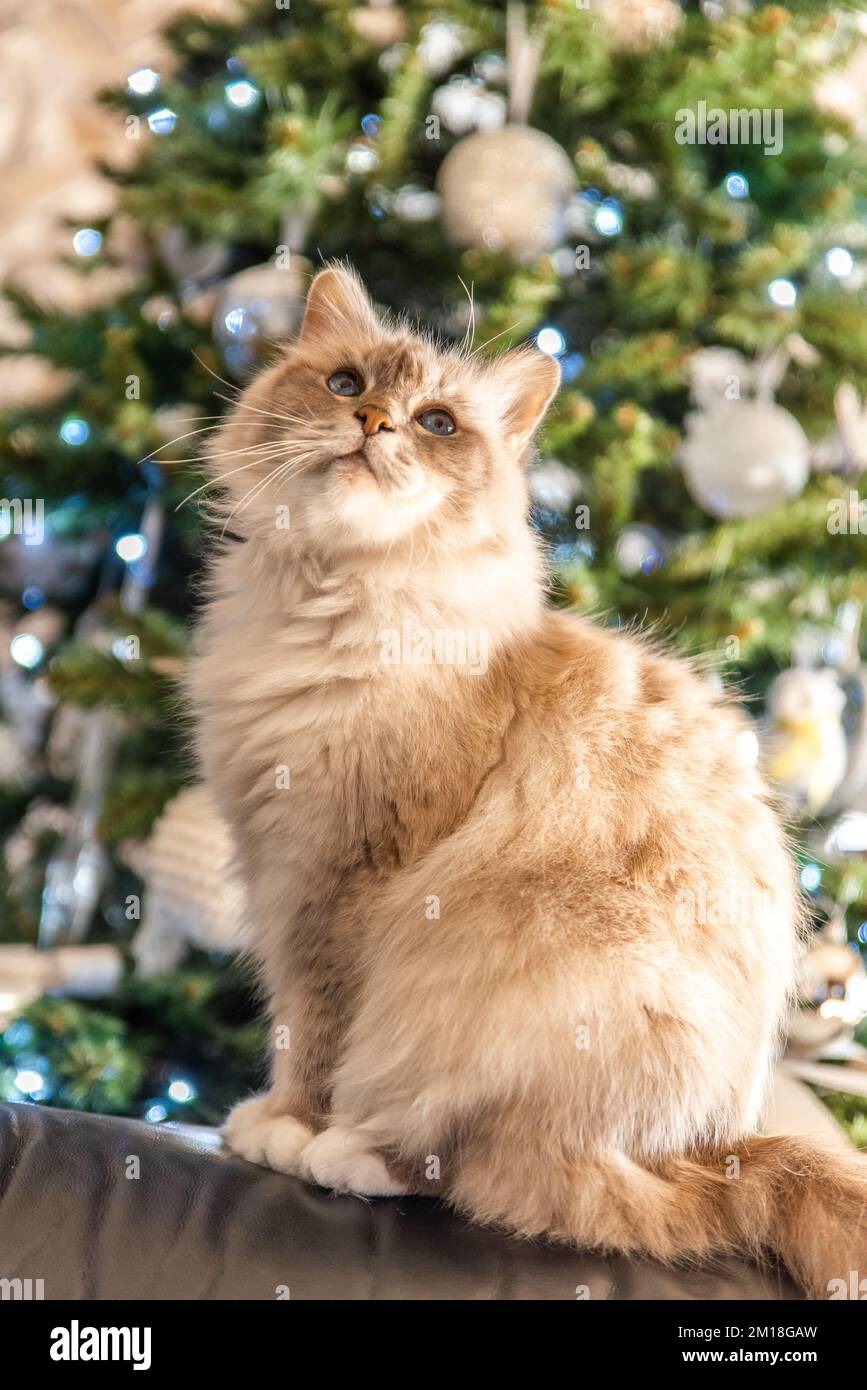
pixel 527 924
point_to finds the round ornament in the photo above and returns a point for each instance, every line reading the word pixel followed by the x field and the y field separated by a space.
pixel 742 457
pixel 506 190
pixel 256 308
pixel 381 23
pixel 637 25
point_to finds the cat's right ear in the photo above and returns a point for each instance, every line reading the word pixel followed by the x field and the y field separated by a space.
pixel 338 305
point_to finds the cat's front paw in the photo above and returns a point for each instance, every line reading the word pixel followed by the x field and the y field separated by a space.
pixel 255 1132
pixel 337 1158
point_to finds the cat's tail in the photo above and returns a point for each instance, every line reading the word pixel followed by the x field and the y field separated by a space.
pixel 791 1197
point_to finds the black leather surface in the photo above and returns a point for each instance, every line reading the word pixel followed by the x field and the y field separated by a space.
pixel 201 1224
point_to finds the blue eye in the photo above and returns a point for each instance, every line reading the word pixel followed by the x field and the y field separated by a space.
pixel 437 421
pixel 345 383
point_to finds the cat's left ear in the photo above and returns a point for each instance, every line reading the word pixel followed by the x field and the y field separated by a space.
pixel 338 305
pixel 526 381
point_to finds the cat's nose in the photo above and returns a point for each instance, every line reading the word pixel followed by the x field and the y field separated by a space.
pixel 373 419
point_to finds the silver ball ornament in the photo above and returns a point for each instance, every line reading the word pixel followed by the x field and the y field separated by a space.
pixel 741 458
pixel 506 190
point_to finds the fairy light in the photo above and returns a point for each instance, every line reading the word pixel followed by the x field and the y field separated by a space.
pixel 162 122
pixel 142 82
pixel 783 293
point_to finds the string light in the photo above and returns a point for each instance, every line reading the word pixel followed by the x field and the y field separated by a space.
pixel 86 242
pixel 811 877
pixel 75 431
pixel 155 1113
pixel 550 341
pixel 131 547
pixel 182 1091
pixel 26 650
pixel 736 186
pixel 608 218
pixel 371 125
pixel 242 94
pixel 143 81
pixel 162 122
pixel 839 262
pixel 783 293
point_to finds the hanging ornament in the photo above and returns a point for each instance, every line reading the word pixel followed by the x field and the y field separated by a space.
pixel 463 105
pixel 742 454
pixel 89 972
pixel 381 23
pixel 807 753
pixel 639 550
pixel 191 898
pixel 440 46
pixel 77 872
pixel 258 307
pixel 637 25
pixel 816 741
pixel 844 450
pixel 832 992
pixel 554 486
pixel 507 189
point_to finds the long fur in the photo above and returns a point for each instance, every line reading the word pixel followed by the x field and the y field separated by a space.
pixel 527 924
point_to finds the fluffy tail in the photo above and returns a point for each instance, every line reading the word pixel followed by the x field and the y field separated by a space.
pixel 786 1196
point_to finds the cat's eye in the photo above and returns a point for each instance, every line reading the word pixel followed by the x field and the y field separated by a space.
pixel 437 421
pixel 345 383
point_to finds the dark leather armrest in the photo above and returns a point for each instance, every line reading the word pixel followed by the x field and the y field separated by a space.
pixel 103 1208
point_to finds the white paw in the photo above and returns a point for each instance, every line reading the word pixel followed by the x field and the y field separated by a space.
pixel 257 1134
pixel 338 1159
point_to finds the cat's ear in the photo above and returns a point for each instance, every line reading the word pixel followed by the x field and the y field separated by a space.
pixel 525 381
pixel 337 305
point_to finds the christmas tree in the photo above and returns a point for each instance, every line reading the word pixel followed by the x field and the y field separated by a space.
pixel 666 197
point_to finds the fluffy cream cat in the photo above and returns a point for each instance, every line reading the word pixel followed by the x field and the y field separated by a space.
pixel 528 929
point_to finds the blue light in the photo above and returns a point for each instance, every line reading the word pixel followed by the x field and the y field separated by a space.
pixel 131 548
pixel 737 186
pixel 162 122
pixel 75 432
pixel 143 81
pixel 783 293
pixel 155 1113
pixel 217 116
pixel 182 1091
pixel 862 933
pixel 371 125
pixel 608 218
pixel 234 64
pixel 86 242
pixel 242 93
pixel 839 262
pixel 33 597
pixel 550 341
pixel 811 877
pixel 26 650
pixel 572 365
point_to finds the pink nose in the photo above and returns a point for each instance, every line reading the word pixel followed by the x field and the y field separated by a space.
pixel 373 419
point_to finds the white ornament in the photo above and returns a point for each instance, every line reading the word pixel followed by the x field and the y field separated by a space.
pixel 463 106
pixel 742 457
pixel 440 46
pixel 191 896
pixel 506 190
pixel 639 550
pixel 258 307
pixel 553 485
pixel 806 749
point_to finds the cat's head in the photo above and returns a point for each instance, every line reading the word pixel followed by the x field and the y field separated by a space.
pixel 365 435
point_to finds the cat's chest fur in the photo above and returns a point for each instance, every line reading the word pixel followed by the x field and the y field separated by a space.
pixel 306 742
